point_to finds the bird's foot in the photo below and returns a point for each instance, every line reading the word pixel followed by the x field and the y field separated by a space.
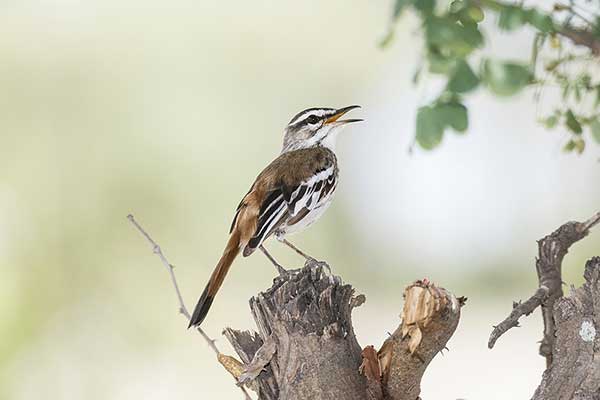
pixel 311 262
pixel 282 271
pixel 286 274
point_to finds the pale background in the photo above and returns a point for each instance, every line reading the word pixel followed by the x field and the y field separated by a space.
pixel 168 109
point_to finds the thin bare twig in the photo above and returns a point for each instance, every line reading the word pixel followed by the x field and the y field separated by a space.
pixel 519 309
pixel 182 308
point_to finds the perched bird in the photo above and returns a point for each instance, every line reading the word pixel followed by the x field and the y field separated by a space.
pixel 291 193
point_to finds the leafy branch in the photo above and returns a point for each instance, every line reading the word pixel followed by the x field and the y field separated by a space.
pixel 453 36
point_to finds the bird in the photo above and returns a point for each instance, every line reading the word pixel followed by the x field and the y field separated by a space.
pixel 288 196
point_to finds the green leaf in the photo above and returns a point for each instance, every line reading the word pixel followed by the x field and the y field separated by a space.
pixel 586 81
pixel 538 41
pixel 505 78
pixel 577 92
pixel 456 6
pixel 579 145
pixel 438 63
pixel 429 129
pixel 463 78
pixel 425 6
pixel 541 21
pixel 475 14
pixel 570 146
pixel 512 17
pixel 466 12
pixel 448 35
pixel 566 89
pixel 551 66
pixel 550 122
pixel 399 6
pixel 596 27
pixel 417 74
pixel 595 128
pixel 387 39
pixel 572 123
pixel 453 115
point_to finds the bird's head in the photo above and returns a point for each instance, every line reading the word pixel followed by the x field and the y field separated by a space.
pixel 315 127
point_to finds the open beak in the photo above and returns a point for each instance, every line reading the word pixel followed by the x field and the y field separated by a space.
pixel 338 114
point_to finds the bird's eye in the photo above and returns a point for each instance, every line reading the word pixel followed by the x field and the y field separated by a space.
pixel 313 119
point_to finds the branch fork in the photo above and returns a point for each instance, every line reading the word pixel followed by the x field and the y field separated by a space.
pixel 551 251
pixel 568 342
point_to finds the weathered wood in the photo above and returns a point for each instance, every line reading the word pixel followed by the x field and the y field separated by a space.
pixel 306 314
pixel 570 345
pixel 575 369
pixel 551 252
pixel 429 318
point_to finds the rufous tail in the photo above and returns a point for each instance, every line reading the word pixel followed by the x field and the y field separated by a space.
pixel 216 279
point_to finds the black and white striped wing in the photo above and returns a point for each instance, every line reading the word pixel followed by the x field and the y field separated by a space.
pixel 311 194
pixel 291 204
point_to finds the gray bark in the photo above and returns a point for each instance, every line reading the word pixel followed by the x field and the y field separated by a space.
pixel 575 369
pixel 305 347
pixel 307 314
pixel 407 364
pixel 570 344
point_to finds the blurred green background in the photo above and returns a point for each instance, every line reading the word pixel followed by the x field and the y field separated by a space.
pixel 168 110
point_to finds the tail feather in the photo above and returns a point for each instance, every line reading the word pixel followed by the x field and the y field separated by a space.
pixel 216 280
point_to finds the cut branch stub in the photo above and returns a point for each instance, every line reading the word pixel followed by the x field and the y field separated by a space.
pixel 307 315
pixel 429 318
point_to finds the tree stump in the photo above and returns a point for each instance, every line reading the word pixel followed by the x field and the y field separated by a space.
pixel 305 347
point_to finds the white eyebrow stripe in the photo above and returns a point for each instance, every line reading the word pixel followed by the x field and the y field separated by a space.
pixel 302 117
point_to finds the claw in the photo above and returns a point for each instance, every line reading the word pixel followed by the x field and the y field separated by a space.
pixel 282 271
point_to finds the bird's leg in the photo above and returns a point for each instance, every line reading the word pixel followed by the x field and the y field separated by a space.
pixel 297 250
pixel 309 259
pixel 280 269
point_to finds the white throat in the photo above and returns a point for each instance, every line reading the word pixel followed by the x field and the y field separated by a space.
pixel 330 140
pixel 326 137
